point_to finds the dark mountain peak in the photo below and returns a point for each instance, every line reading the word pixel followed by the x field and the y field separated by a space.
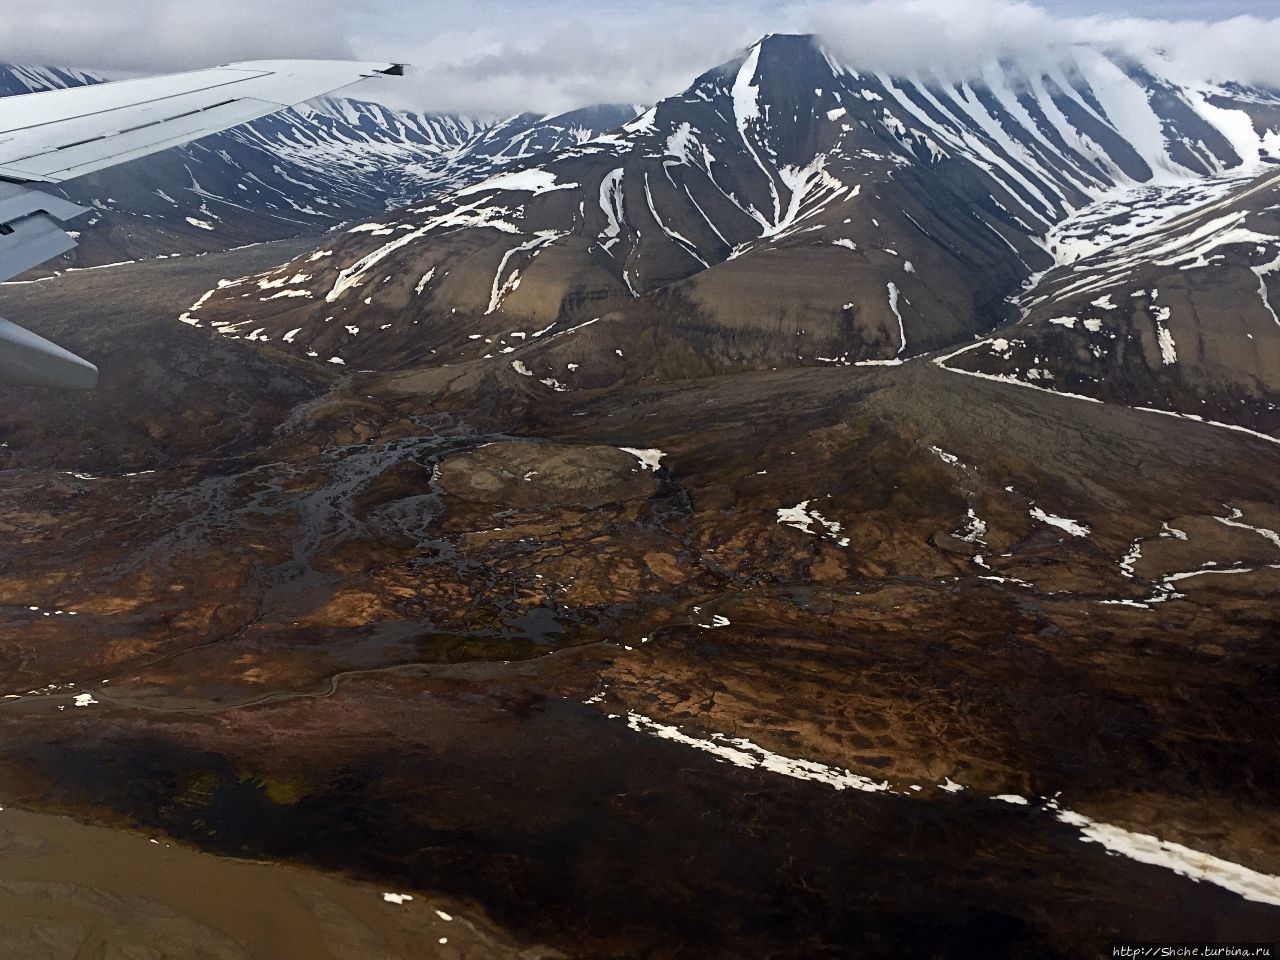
pixel 791 62
pixel 782 54
pixel 788 44
pixel 599 116
pixel 774 54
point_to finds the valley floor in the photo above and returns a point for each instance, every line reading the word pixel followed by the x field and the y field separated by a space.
pixel 822 662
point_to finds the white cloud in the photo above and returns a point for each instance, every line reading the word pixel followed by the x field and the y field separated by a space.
pixel 157 35
pixel 502 56
pixel 955 38
pixel 910 36
pixel 553 57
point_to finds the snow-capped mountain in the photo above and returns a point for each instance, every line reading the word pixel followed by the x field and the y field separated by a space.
pixel 784 209
pixel 17 79
pixel 302 171
pixel 520 139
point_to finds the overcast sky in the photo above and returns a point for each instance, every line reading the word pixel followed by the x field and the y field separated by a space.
pixel 502 56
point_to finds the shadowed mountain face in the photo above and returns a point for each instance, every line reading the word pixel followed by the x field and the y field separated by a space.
pixel 729 534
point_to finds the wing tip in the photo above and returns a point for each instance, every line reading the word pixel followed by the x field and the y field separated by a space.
pixel 29 360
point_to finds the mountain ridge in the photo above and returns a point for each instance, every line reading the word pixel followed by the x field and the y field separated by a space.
pixel 784 209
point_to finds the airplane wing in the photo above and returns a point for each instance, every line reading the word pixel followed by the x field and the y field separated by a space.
pixel 63 134
pixel 33 361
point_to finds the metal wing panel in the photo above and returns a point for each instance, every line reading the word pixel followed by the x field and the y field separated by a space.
pixel 290 82
pixel 16 202
pixel 29 231
pixel 31 241
pixel 62 134
pixel 30 360
pixel 57 106
pixel 98 153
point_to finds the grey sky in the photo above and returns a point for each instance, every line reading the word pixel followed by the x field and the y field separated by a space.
pixel 1167 9
pixel 500 56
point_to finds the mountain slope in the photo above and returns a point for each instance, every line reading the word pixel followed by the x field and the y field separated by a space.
pixel 784 209
pixel 520 139
pixel 1178 317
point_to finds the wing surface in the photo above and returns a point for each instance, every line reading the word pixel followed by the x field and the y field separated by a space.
pixel 52 137
pixel 58 135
